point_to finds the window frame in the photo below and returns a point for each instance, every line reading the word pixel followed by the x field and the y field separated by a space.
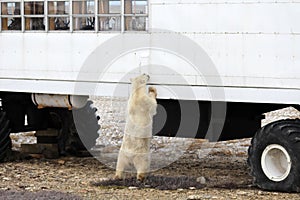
pixel 58 15
pixel 41 16
pixel 122 15
pixel 72 16
pixel 10 16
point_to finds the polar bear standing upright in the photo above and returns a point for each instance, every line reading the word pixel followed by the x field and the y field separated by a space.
pixel 135 149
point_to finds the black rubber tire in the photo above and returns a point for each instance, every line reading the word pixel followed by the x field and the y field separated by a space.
pixel 78 129
pixel 86 123
pixel 287 134
pixel 5 141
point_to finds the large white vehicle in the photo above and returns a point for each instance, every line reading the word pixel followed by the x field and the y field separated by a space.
pixel 234 59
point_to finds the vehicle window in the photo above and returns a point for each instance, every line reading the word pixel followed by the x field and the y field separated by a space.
pixel 11 16
pixel 83 15
pixel 136 15
pixel 58 15
pixel 74 15
pixel 109 15
pixel 34 15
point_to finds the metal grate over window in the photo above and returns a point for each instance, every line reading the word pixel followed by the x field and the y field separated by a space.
pixel 73 15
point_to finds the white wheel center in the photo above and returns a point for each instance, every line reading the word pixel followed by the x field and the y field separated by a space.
pixel 276 162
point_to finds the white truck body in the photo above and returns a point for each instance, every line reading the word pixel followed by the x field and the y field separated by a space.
pixel 218 66
pixel 254 46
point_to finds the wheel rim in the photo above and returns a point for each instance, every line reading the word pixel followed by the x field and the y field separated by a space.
pixel 276 162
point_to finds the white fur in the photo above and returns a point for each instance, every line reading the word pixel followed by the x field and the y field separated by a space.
pixel 135 149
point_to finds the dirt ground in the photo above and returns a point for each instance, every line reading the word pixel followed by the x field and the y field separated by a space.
pixel 221 174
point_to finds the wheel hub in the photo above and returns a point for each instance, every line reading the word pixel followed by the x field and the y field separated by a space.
pixel 276 162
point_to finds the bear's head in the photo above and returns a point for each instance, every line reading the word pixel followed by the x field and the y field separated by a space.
pixel 139 80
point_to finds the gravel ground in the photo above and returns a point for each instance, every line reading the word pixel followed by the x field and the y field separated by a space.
pixel 203 171
pixel 220 175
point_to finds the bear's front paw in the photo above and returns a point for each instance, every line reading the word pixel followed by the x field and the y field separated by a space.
pixel 152 90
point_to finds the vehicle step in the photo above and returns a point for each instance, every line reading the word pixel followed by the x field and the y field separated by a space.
pixel 47 133
pixel 48 150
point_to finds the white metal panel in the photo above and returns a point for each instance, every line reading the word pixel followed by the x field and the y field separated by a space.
pixel 56 56
pixel 227 18
pixel 234 94
pixel 219 1
pixel 254 60
pixel 257 61
pixel 255 47
pixel 234 55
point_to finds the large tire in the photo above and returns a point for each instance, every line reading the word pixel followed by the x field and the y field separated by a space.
pixel 78 129
pixel 86 123
pixel 274 156
pixel 5 141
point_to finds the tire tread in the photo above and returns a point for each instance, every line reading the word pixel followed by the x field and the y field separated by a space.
pixel 5 141
pixel 287 133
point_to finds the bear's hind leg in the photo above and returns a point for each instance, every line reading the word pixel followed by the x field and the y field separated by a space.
pixel 119 174
pixel 121 164
pixel 141 176
pixel 142 166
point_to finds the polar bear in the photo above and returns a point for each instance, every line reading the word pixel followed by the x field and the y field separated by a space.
pixel 135 148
